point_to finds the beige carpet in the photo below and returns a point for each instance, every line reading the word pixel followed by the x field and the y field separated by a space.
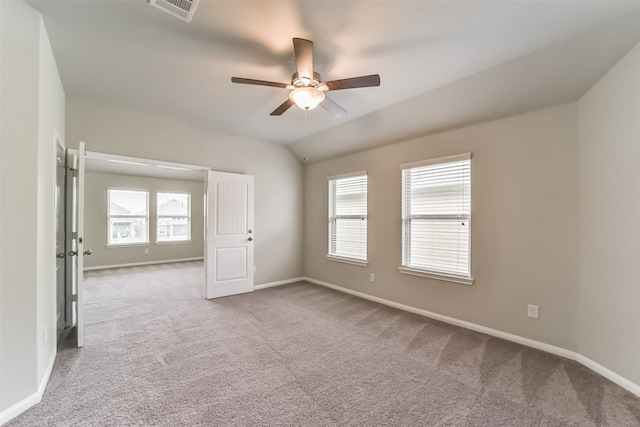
pixel 157 353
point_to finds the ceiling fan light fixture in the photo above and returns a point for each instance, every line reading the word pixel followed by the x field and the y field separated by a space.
pixel 307 97
pixel 307 88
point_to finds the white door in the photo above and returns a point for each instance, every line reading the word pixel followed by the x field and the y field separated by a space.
pixel 75 194
pixel 64 302
pixel 230 235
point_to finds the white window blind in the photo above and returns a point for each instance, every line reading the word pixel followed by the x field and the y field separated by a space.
pixel 436 216
pixel 173 217
pixel 348 216
pixel 128 217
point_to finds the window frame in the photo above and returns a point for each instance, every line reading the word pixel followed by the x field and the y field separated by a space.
pixel 406 223
pixel 147 218
pixel 158 217
pixel 332 217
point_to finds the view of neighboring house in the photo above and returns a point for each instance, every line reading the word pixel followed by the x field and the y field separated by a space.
pixel 173 217
pixel 542 97
pixel 128 216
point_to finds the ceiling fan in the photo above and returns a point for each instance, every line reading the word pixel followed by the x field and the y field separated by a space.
pixel 307 88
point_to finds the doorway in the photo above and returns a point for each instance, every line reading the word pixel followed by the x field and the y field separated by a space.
pixel 233 267
pixel 64 299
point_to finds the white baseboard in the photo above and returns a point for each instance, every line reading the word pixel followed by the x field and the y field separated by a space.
pixel 281 282
pixel 135 264
pixel 608 374
pixel 559 351
pixel 18 408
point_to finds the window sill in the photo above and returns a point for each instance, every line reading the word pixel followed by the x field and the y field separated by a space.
pixel 352 261
pixel 126 245
pixel 176 242
pixel 437 276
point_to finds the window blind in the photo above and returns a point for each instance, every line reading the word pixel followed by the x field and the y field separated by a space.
pixel 128 217
pixel 436 215
pixel 348 217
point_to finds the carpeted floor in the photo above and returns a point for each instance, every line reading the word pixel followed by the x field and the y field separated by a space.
pixel 157 353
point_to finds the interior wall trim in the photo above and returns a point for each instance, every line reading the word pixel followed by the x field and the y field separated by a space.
pixel 558 351
pixel 135 264
pixel 18 408
pixel 278 283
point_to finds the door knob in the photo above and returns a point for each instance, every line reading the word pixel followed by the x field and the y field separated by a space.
pixel 60 255
pixel 72 253
pixel 250 239
pixel 87 252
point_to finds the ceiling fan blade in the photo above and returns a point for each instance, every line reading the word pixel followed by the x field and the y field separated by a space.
pixel 354 82
pixel 337 111
pixel 282 108
pixel 304 58
pixel 258 82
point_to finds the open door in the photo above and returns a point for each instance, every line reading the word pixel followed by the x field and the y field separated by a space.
pixel 229 234
pixel 64 298
pixel 75 227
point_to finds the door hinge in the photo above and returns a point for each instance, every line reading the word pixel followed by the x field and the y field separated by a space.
pixel 74 298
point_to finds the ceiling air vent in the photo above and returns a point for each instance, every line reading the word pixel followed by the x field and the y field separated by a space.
pixel 183 9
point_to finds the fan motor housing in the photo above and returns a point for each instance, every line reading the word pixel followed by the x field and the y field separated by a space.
pixel 297 81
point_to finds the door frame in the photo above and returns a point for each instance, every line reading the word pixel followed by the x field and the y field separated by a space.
pixel 75 235
pixel 143 162
pixel 59 144
pixel 124 159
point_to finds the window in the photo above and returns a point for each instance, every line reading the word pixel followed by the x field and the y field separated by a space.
pixel 436 215
pixel 348 217
pixel 174 217
pixel 128 217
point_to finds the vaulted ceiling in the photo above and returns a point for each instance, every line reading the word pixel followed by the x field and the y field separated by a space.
pixel 443 64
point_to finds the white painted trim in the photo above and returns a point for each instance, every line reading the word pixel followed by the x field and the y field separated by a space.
pixel 558 351
pixel 279 283
pixel 437 161
pixel 18 408
pixel 57 142
pixel 347 175
pixel 173 242
pixel 351 261
pixel 135 264
pixel 431 275
pixel 150 162
pixel 608 374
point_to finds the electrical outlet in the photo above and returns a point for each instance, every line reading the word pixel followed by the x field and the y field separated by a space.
pixel 146 250
pixel 532 311
pixel 372 277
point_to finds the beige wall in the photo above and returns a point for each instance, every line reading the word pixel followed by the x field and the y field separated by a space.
pixel 20 50
pixel 554 221
pixel 96 220
pixel 524 229
pixel 278 174
pixel 610 219
pixel 32 111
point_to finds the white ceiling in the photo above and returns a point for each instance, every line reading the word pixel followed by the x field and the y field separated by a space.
pixel 442 63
